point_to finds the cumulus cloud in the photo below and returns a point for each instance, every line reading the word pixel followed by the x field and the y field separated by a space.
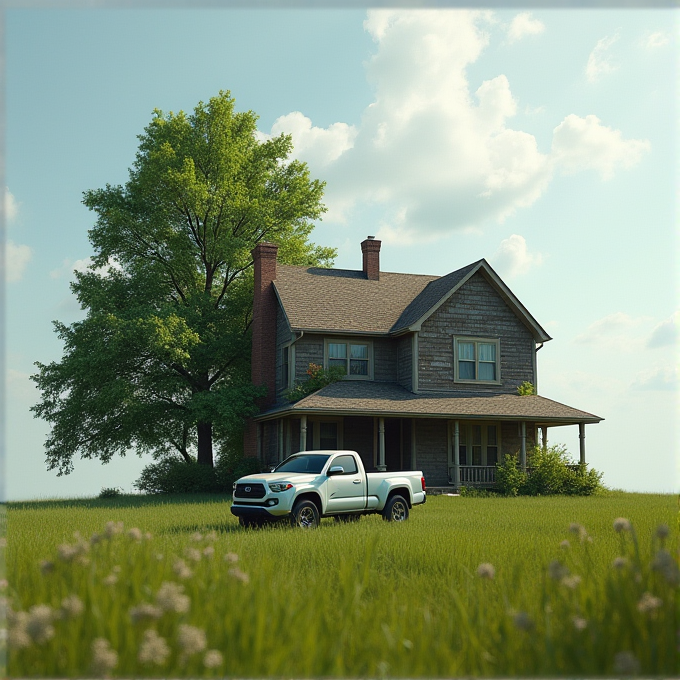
pixel 599 61
pixel 433 153
pixel 522 25
pixel 652 41
pixel 513 257
pixel 17 258
pixel 11 206
pixel 658 378
pixel 666 333
pixel 617 330
pixel 83 265
pixel 19 386
pixel 584 143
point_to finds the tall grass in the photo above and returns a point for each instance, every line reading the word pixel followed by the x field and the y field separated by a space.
pixel 366 599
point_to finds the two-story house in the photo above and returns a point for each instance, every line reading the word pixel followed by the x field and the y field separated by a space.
pixel 432 368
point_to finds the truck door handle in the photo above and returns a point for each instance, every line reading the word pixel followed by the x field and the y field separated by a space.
pixel 356 481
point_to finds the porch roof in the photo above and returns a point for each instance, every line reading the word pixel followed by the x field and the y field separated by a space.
pixel 353 397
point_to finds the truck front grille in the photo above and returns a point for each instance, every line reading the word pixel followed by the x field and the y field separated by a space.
pixel 249 490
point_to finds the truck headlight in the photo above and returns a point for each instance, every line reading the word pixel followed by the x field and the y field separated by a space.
pixel 278 487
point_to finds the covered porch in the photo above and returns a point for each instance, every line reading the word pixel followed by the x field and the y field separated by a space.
pixel 455 440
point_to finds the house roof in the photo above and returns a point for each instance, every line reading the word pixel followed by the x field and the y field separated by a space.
pixel 345 301
pixel 354 397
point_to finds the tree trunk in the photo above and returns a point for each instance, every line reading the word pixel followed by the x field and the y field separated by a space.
pixel 205 453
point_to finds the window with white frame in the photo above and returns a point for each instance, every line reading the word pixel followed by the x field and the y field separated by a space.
pixel 479 444
pixel 353 356
pixel 477 360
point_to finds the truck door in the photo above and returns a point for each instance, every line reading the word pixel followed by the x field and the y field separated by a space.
pixel 348 490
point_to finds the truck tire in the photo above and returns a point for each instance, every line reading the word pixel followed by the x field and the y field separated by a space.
pixel 396 509
pixel 305 515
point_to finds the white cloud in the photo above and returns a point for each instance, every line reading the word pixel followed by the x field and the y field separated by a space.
pixel 432 153
pixel 513 257
pixel 16 258
pixel 599 62
pixel 658 378
pixel 83 265
pixel 666 333
pixel 618 330
pixel 584 143
pixel 11 206
pixel 522 25
pixel 20 387
pixel 652 41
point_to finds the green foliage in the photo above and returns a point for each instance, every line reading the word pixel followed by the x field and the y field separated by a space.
pixel 172 475
pixel 526 389
pixel 475 492
pixel 318 377
pixel 550 472
pixel 161 362
pixel 566 595
pixel 230 468
pixel 111 492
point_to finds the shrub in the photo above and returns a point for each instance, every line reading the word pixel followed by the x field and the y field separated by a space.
pixel 318 377
pixel 230 468
pixel 110 492
pixel 474 492
pixel 526 389
pixel 550 472
pixel 174 475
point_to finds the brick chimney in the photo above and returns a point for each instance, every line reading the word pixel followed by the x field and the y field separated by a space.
pixel 370 249
pixel 263 357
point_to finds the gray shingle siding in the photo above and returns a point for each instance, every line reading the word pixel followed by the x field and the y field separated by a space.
pixel 476 309
pixel 432 451
pixel 283 335
pixel 385 360
pixel 511 438
pixel 405 361
pixel 308 350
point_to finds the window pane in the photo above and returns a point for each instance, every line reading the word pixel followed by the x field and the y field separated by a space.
pixel 487 352
pixel 358 351
pixel 476 455
pixel 466 370
pixel 338 362
pixel 466 351
pixel 462 454
pixel 328 436
pixel 358 367
pixel 347 462
pixel 487 371
pixel 491 455
pixel 476 434
pixel 491 435
pixel 337 350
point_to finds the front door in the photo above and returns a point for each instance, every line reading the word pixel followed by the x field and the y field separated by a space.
pixel 346 491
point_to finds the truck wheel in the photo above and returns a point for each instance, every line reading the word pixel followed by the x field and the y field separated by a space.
pixel 396 509
pixel 305 515
pixel 345 519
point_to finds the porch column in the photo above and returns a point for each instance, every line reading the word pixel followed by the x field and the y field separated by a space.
pixel 456 454
pixel 544 436
pixel 413 443
pixel 381 445
pixel 303 433
pixel 523 448
pixel 582 442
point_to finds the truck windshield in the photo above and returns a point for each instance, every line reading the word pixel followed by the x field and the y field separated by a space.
pixel 313 464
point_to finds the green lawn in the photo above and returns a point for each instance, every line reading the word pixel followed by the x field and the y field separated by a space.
pixel 365 599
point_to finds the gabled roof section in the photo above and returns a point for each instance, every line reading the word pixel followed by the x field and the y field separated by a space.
pixel 437 292
pixel 345 301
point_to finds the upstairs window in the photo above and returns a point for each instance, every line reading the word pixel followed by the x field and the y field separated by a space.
pixel 285 367
pixel 477 360
pixel 353 357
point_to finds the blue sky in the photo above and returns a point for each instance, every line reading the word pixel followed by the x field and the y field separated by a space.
pixel 542 140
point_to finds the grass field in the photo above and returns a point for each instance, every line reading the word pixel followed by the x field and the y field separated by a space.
pixel 179 589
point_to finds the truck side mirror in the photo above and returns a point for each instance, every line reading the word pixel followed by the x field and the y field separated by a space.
pixel 336 470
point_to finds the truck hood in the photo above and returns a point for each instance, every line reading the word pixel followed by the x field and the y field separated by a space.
pixel 292 477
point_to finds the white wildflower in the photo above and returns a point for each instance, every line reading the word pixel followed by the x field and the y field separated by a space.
pixel 571 582
pixel 565 545
pixel 231 557
pixel 622 524
pixel 212 659
pixel 649 603
pixel 239 575
pixel 191 639
pixel 211 536
pixel 104 659
pixel 181 569
pixel 579 623
pixel 72 606
pixel 620 563
pixel 196 537
pixel 208 551
pixel 17 636
pixel 170 598
pixel 111 529
pixel 135 534
pixel 154 649
pixel 144 612
pixel 486 570
pixel 193 554
pixel 110 580
pixel 39 624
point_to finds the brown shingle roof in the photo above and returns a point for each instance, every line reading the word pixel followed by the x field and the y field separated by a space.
pixel 350 397
pixel 345 301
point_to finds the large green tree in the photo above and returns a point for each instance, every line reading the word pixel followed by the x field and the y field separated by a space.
pixel 161 362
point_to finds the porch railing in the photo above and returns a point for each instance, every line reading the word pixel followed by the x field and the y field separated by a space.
pixel 477 475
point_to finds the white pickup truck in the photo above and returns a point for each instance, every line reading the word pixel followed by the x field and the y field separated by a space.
pixel 311 485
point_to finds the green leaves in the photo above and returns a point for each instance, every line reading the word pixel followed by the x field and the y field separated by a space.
pixel 165 344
